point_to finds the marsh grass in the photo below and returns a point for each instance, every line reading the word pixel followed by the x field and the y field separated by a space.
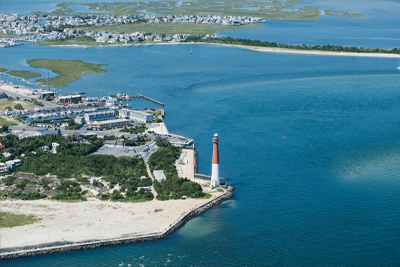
pixel 67 70
pixel 24 74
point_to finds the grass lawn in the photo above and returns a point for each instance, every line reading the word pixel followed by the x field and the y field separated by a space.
pixel 5 103
pixel 8 219
pixel 207 196
pixel 24 74
pixel 9 121
pixel 155 113
pixel 67 70
pixel 3 69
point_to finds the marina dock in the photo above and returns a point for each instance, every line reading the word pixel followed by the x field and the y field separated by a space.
pixel 148 98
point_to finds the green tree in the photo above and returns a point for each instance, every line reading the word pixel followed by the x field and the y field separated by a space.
pixel 18 106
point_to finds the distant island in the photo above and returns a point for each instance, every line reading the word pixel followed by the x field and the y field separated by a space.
pixel 273 9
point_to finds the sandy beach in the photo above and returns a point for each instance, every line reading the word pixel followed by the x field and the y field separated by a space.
pixel 90 220
pixel 320 53
pixel 23 91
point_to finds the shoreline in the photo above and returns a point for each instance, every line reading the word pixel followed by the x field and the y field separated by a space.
pixel 85 244
pixel 261 49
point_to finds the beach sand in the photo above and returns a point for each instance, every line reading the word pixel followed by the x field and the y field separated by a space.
pixel 90 220
pixel 23 91
pixel 292 51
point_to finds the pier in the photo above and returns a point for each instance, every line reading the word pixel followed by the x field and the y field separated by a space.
pixel 208 176
pixel 148 98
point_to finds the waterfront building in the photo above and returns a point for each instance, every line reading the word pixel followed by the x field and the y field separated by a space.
pixel 67 99
pixel 215 163
pixel 125 113
pixel 136 115
pixel 44 94
pixel 98 116
pixel 97 125
pixel 141 116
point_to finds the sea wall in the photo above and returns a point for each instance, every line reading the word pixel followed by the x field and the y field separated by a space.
pixel 90 245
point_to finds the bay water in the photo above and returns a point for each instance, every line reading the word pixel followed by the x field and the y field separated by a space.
pixel 311 144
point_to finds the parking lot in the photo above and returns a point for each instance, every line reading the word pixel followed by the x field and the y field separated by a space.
pixel 138 151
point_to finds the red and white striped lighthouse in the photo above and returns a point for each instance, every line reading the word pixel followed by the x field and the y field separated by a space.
pixel 215 163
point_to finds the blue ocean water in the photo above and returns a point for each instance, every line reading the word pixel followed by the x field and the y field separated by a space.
pixel 310 143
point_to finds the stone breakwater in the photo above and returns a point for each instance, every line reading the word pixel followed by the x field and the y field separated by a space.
pixel 90 245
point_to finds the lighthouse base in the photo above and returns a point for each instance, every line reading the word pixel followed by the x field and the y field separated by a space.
pixel 215 176
pixel 215 183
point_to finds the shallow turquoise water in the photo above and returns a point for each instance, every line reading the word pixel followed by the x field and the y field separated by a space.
pixel 310 143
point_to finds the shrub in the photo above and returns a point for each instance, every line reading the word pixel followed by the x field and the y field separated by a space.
pixel 22 184
pixel 104 197
pixel 82 180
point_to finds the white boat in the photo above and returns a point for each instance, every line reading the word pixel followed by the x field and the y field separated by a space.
pixel 398 66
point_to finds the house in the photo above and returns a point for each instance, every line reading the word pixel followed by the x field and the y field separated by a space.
pixel 146 188
pixel 13 164
pixel 119 144
pixel 54 146
pixel 78 136
pixel 45 148
pixel 2 147
pixel 3 95
pixel 8 155
pixel 159 175
pixel 4 169
pixel 143 177
pixel 109 143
